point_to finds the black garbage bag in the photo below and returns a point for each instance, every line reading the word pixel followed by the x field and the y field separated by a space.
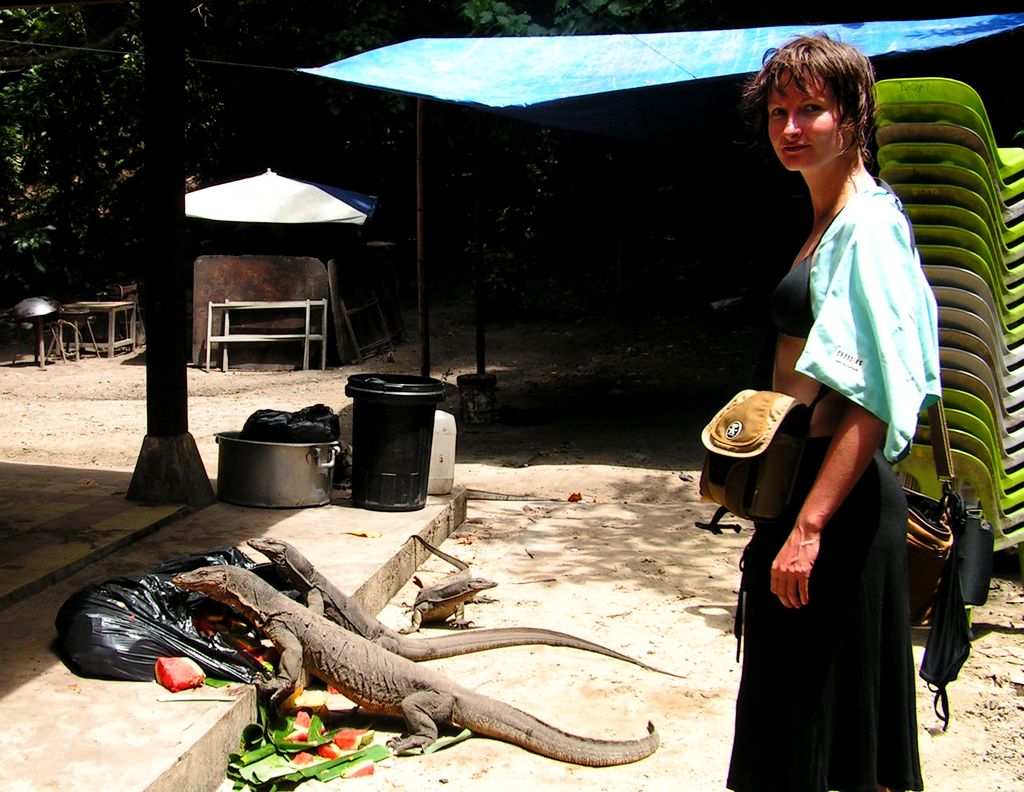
pixel 315 424
pixel 118 629
pixel 219 555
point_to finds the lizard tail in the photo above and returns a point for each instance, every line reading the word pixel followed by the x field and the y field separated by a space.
pixel 492 718
pixel 482 640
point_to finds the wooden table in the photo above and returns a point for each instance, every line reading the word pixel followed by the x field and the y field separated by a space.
pixel 113 309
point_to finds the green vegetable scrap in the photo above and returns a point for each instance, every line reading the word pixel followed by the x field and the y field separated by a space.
pixel 268 761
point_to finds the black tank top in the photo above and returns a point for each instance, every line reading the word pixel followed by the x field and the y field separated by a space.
pixel 791 302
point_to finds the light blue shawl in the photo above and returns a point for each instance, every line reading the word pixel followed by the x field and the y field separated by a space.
pixel 875 334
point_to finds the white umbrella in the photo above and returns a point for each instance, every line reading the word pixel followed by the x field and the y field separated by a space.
pixel 270 198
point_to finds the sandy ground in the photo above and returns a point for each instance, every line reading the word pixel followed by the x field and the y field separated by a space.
pixel 607 409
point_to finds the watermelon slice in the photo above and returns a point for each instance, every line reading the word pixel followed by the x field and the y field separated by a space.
pixel 352 739
pixel 178 673
pixel 330 751
pixel 359 769
pixel 300 730
pixel 303 759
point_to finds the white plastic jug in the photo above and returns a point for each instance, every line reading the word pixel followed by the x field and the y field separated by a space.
pixel 442 455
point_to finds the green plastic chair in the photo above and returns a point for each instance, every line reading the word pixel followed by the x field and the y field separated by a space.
pixel 1010 448
pixel 956 287
pixel 958 217
pixel 943 90
pixel 941 123
pixel 1008 494
pixel 949 154
pixel 959 320
pixel 1007 447
pixel 897 174
pixel 958 305
pixel 1009 489
pixel 962 198
pixel 954 247
pixel 1008 472
pixel 978 346
pixel 969 372
pixel 1005 425
pixel 938 132
pixel 1005 514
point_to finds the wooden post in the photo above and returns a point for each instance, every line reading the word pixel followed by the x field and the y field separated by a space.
pixel 169 468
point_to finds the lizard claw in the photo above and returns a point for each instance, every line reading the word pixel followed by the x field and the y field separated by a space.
pixel 409 744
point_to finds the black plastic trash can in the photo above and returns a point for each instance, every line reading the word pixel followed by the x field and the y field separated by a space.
pixel 392 434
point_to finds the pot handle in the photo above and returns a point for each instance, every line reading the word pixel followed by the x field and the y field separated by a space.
pixel 313 456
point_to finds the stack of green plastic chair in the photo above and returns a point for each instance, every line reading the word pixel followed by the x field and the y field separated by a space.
pixel 965 197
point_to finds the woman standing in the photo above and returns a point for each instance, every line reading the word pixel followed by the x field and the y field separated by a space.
pixel 827 695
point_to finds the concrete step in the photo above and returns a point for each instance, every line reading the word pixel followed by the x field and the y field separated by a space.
pixel 66 732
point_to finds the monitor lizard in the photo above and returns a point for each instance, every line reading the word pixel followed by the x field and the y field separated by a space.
pixel 384 683
pixel 342 609
pixel 447 598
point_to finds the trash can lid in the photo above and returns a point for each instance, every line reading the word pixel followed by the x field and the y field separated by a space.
pixel 399 386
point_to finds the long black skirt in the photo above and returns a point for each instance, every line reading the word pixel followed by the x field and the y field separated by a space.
pixel 827 695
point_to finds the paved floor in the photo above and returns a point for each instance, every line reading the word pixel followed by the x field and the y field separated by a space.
pixel 64 528
pixel 54 521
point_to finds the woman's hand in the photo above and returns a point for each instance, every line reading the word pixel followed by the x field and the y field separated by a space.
pixel 791 570
pixel 858 433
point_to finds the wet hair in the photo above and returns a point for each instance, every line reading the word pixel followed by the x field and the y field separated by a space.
pixel 805 61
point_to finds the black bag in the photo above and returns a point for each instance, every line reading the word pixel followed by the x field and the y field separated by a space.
pixel 976 554
pixel 949 637
pixel 315 424
pixel 118 629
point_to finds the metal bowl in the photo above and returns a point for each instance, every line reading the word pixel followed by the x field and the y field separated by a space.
pixel 31 307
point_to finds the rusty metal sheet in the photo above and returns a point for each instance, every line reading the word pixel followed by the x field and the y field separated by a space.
pixel 221 278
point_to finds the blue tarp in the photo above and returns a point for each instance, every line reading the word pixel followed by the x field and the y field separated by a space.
pixel 582 81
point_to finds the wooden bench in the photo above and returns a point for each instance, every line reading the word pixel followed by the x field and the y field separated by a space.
pixel 227 337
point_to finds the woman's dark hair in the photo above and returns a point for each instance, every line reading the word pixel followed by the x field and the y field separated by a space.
pixel 804 61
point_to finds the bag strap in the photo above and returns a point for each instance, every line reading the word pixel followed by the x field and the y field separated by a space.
pixel 716 525
pixel 939 431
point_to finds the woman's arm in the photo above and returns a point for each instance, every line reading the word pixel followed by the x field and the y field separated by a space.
pixel 857 437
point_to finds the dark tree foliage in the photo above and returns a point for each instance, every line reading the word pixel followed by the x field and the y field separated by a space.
pixel 568 220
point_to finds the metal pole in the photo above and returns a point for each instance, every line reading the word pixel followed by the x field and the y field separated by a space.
pixel 421 270
pixel 478 266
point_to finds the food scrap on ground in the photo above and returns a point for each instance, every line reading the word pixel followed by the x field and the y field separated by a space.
pixel 178 673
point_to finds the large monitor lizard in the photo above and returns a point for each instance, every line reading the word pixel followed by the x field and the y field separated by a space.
pixel 384 683
pixel 342 609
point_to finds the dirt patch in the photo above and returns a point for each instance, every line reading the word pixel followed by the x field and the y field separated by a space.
pixel 609 409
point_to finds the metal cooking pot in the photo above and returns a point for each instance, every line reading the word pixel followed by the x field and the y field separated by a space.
pixel 31 307
pixel 276 475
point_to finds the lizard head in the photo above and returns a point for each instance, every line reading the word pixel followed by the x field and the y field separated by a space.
pixel 479 584
pixel 217 582
pixel 271 548
pixel 243 590
pixel 206 580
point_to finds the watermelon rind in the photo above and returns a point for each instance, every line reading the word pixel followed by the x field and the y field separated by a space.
pixel 352 739
pixel 337 768
pixel 447 742
pixel 359 769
